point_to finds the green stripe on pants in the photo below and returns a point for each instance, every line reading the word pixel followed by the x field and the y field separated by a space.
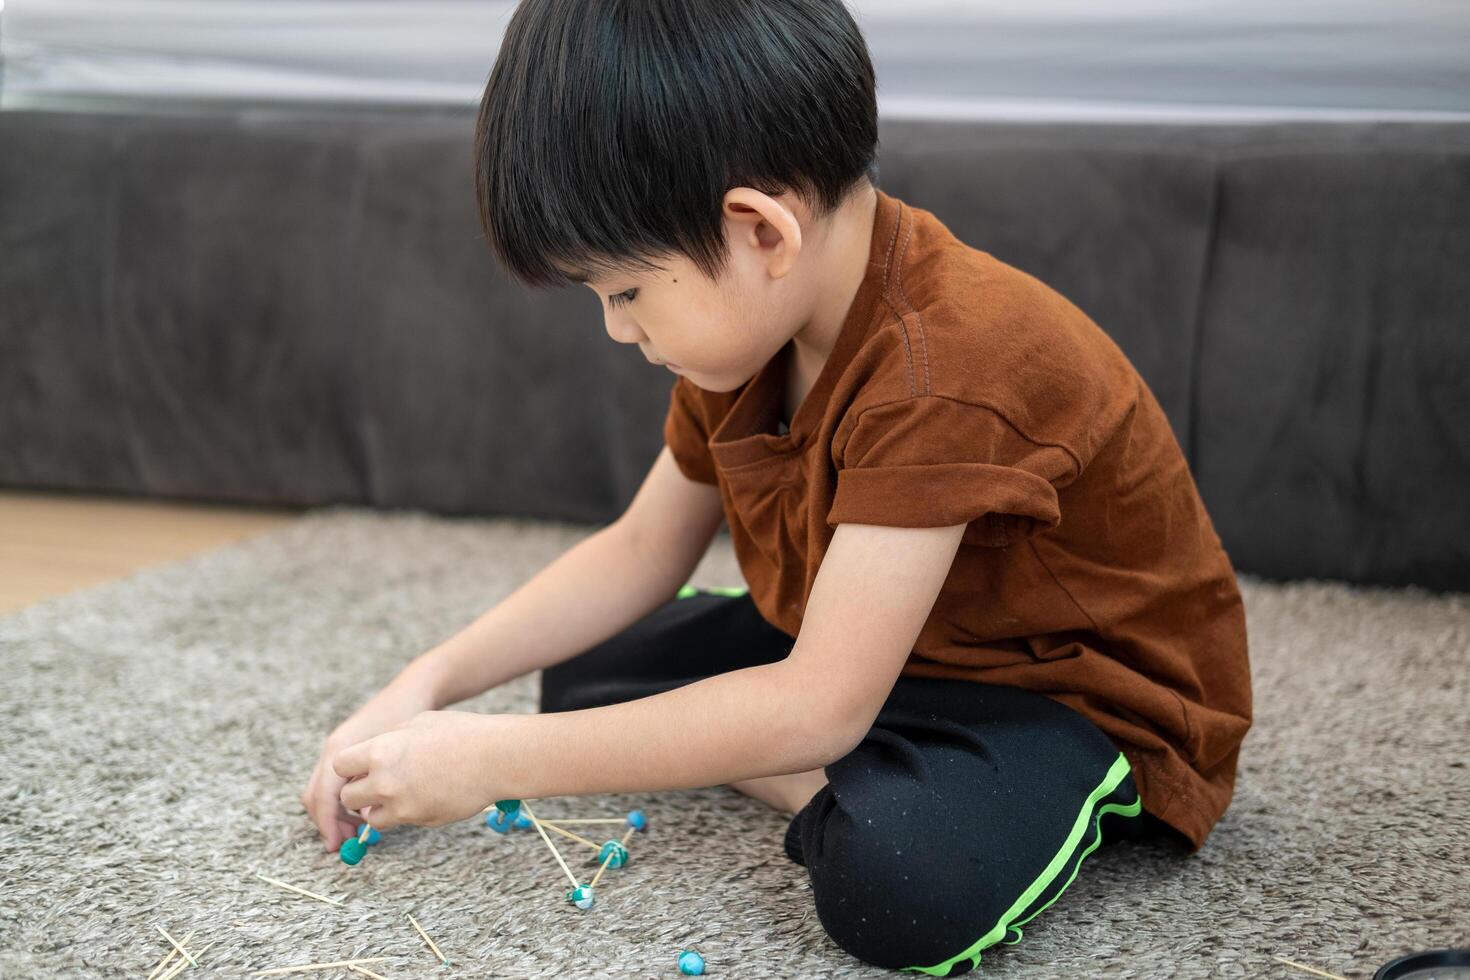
pixel 1089 815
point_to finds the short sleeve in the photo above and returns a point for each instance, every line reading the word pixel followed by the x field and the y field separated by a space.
pixel 933 461
pixel 686 436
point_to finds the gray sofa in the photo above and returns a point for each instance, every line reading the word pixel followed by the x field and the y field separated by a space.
pixel 297 307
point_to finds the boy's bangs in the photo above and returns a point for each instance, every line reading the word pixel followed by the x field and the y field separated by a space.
pixel 596 178
pixel 570 230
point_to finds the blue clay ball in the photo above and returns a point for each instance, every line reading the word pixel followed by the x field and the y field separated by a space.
pixel 617 850
pixel 351 850
pixel 499 822
pixel 373 836
pixel 637 820
pixel 691 964
pixel 523 822
pixel 581 896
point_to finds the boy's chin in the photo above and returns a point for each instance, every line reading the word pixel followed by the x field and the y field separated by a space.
pixel 711 383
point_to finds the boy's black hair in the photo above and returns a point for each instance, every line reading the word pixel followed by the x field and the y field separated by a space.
pixel 610 130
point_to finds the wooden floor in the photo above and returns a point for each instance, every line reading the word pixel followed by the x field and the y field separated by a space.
pixel 53 543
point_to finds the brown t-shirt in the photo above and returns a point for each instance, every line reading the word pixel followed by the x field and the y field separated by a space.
pixel 963 391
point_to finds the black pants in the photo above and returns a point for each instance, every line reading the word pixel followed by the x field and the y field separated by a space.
pixel 965 811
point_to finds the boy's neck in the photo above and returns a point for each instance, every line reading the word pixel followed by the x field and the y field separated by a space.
pixel 849 238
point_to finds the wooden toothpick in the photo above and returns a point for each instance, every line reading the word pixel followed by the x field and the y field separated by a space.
pixel 182 965
pixel 1309 969
pixel 299 891
pixel 175 944
pixel 367 828
pixel 576 837
pixel 173 951
pixel 589 820
pixel 442 958
pixel 554 852
pixel 366 972
pixel 598 877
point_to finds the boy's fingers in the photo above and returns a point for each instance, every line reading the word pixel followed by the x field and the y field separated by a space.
pixel 328 815
pixel 335 830
pixel 380 816
pixel 358 794
pixel 351 761
pixel 371 808
pixel 325 819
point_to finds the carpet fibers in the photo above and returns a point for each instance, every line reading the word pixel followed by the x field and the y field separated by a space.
pixel 155 733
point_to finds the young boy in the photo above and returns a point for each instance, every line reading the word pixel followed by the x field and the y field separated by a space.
pixel 989 624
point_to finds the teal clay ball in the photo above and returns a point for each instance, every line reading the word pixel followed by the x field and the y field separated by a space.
pixel 507 806
pixel 581 896
pixel 351 850
pixel 373 836
pixel 617 850
pixel 691 964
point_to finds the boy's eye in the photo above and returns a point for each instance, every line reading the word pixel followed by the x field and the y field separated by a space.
pixel 618 299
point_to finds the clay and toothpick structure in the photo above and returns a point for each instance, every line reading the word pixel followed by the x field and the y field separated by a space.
pixel 507 815
pixel 503 817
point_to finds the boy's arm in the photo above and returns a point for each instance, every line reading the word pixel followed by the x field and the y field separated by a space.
pixel 871 596
pixel 595 589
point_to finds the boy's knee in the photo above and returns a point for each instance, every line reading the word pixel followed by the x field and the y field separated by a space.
pixel 933 888
pixel 878 895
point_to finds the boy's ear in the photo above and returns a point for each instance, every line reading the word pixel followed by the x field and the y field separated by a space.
pixel 763 223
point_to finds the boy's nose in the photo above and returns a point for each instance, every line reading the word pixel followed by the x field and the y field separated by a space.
pixel 623 330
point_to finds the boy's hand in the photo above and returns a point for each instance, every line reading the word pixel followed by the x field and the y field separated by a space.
pixel 393 706
pixel 429 771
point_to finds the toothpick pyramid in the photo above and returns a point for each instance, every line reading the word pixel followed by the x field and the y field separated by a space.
pixel 506 815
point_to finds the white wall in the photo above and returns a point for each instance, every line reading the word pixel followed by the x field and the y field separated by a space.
pixel 1020 59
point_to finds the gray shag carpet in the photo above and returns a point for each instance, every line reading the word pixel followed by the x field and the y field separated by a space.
pixel 155 733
